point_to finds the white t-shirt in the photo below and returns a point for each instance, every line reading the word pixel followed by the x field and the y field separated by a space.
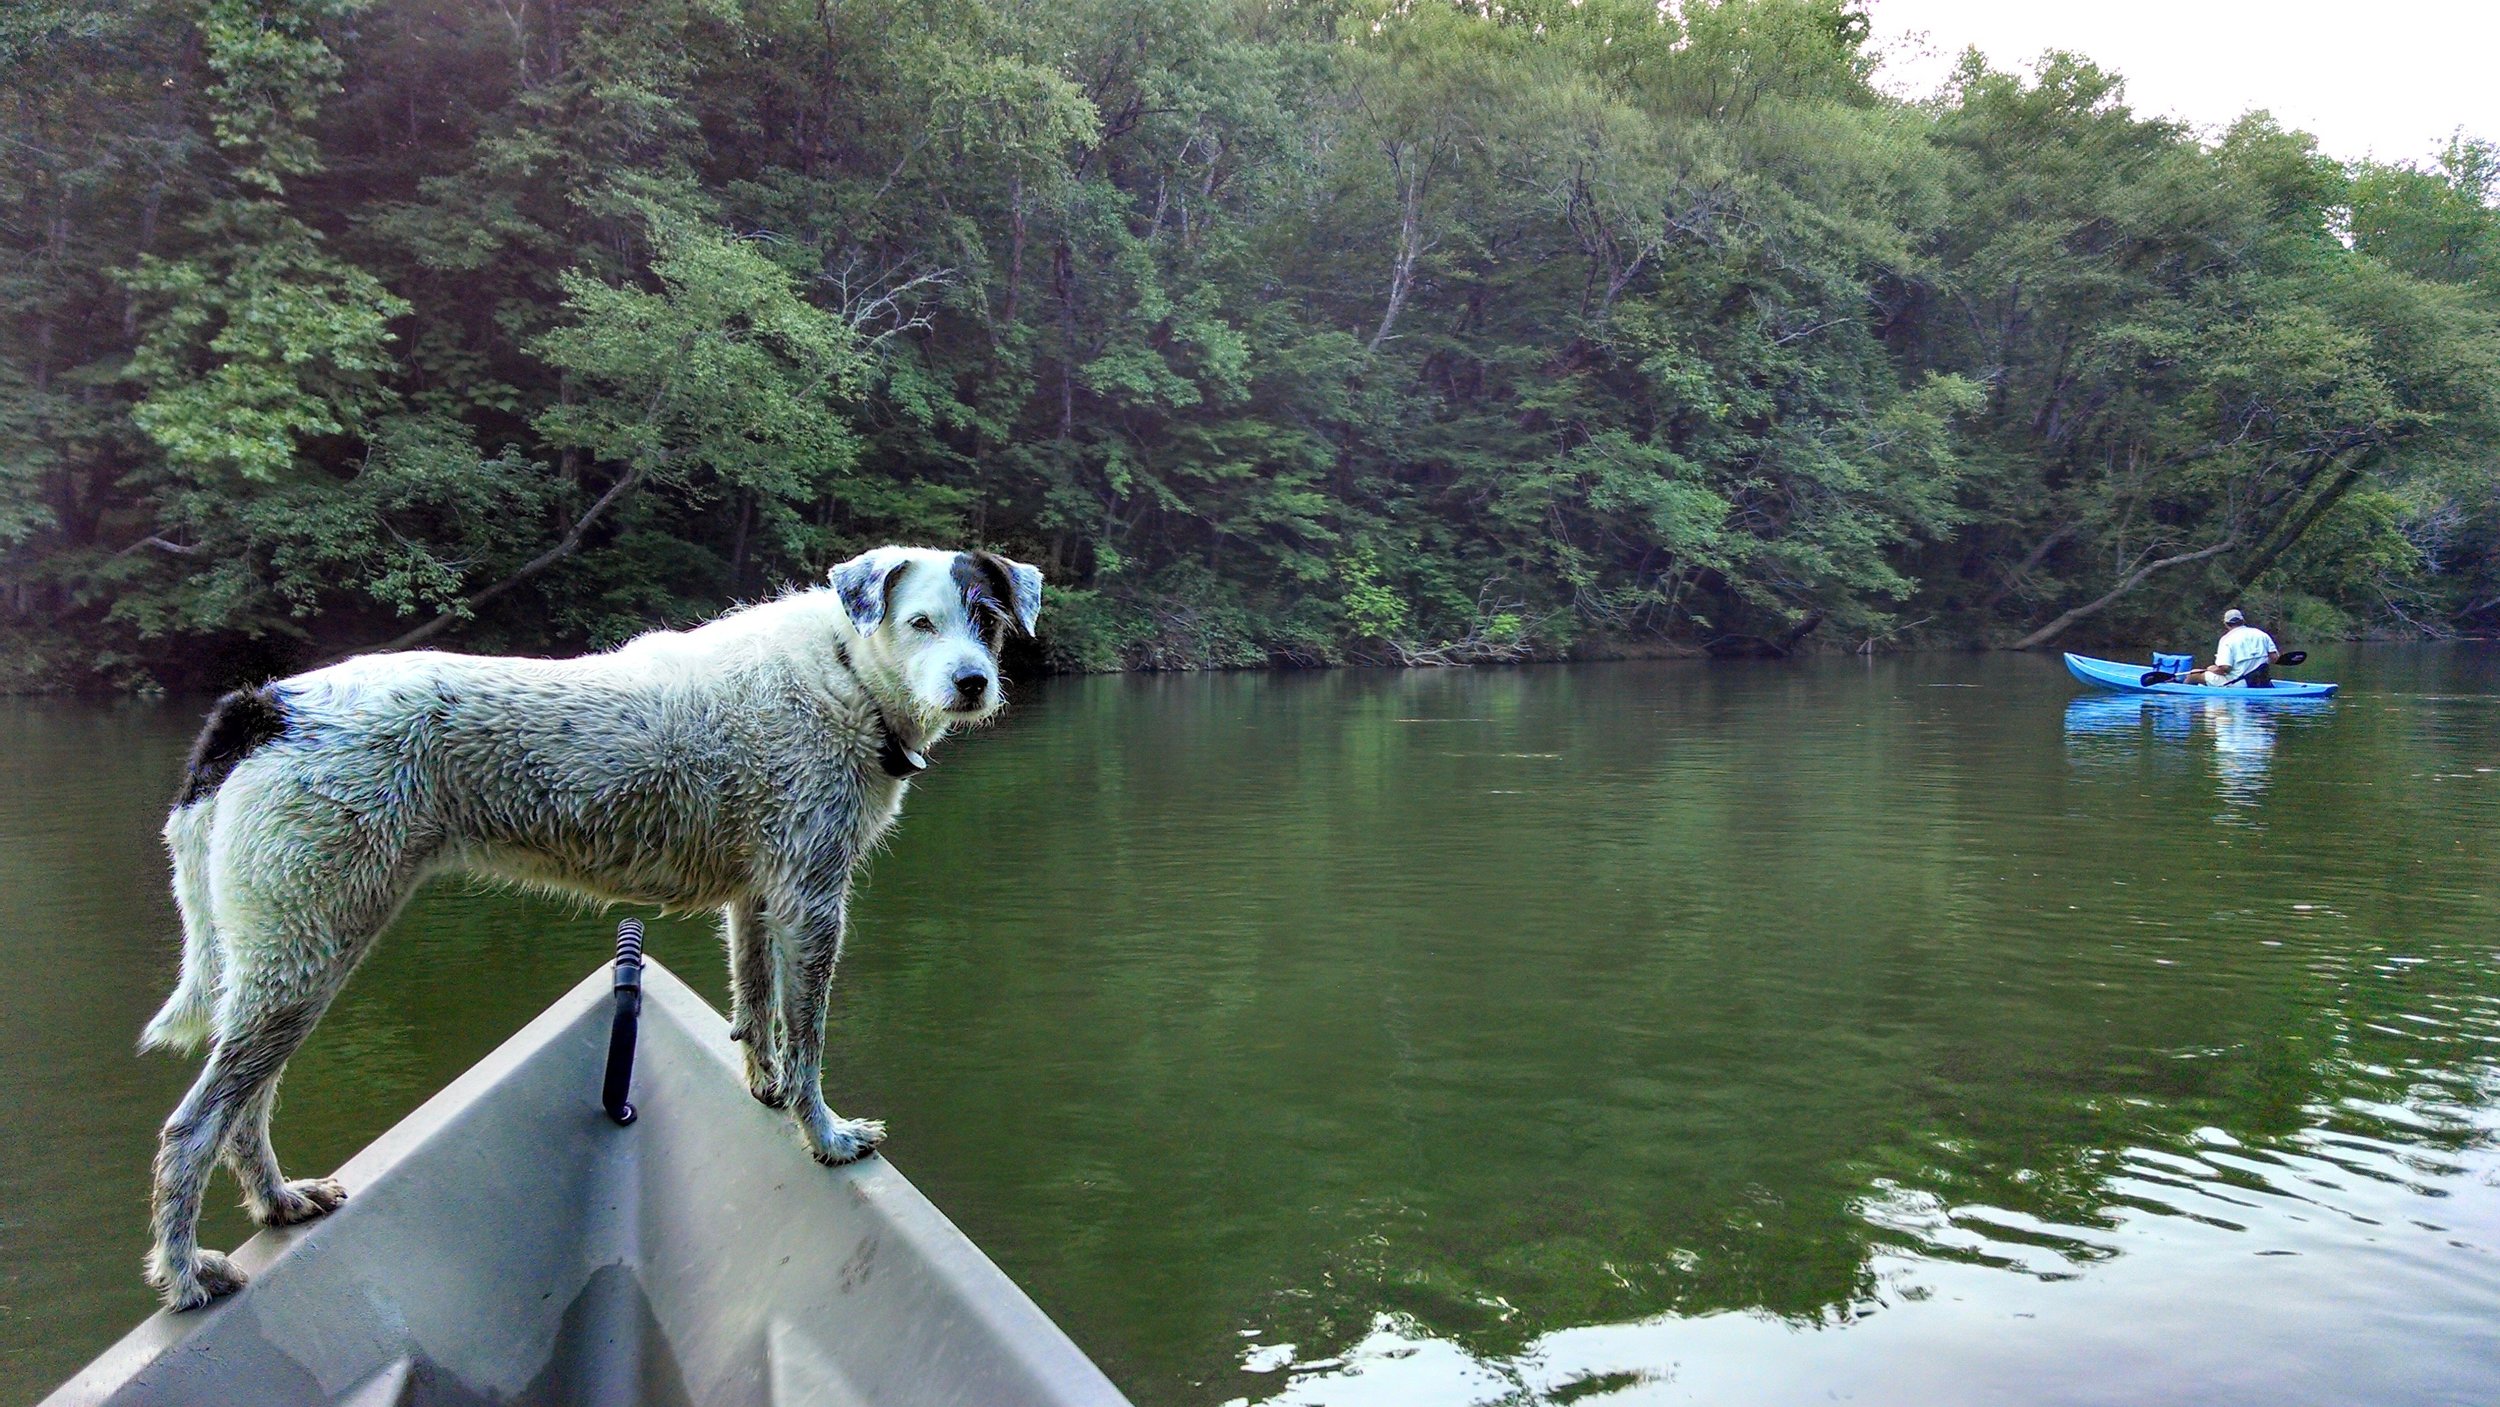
pixel 2242 647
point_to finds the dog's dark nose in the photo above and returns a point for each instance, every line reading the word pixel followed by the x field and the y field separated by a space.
pixel 971 688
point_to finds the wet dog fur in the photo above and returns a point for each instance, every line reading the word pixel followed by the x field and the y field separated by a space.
pixel 745 766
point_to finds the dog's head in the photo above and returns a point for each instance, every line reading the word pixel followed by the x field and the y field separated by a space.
pixel 932 622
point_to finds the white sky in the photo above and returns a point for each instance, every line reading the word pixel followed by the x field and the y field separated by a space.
pixel 2389 79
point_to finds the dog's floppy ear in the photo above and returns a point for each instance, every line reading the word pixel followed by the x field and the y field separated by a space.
pixel 1024 588
pixel 865 582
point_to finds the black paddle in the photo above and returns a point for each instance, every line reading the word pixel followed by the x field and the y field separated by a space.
pixel 2163 676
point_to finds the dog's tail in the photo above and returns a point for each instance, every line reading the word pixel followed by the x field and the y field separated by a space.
pixel 188 1016
pixel 239 723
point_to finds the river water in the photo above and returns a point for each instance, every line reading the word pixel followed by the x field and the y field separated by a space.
pixel 1912 1031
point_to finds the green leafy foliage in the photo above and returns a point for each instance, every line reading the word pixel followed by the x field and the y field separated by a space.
pixel 1397 332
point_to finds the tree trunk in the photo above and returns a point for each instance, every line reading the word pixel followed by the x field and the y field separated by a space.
pixel 55 255
pixel 1402 269
pixel 1067 342
pixel 2033 558
pixel 568 459
pixel 1015 250
pixel 738 544
pixel 2256 563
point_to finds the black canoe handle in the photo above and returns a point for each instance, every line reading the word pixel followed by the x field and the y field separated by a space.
pixel 620 1080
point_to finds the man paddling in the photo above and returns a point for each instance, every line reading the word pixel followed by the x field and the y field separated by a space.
pixel 2244 655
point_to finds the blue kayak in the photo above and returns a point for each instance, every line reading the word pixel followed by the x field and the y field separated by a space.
pixel 2128 678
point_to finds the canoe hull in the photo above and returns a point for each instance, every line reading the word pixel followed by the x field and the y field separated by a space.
pixel 508 1243
pixel 2127 678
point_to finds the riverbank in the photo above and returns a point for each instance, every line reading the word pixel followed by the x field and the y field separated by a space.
pixel 32 667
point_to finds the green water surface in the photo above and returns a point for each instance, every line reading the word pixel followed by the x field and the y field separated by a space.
pixel 1913 1031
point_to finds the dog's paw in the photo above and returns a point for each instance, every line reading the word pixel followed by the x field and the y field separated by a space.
pixel 303 1200
pixel 842 1141
pixel 209 1276
pixel 763 1082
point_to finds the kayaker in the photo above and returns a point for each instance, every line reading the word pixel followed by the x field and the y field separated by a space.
pixel 2243 656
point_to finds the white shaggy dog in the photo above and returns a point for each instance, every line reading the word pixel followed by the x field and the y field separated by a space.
pixel 745 765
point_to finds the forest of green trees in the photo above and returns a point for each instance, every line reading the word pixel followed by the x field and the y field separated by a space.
pixel 1272 331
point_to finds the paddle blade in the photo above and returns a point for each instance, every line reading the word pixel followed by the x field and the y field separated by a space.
pixel 2156 676
pixel 2295 657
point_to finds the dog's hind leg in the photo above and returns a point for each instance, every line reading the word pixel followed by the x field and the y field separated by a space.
pixel 751 1016
pixel 243 1060
pixel 295 921
pixel 813 944
pixel 184 1021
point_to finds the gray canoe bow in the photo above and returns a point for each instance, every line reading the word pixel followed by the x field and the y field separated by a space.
pixel 509 1243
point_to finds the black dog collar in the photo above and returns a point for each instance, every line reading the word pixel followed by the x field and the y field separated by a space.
pixel 896 760
pixel 893 759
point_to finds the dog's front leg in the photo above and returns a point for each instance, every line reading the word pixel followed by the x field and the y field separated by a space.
pixel 813 939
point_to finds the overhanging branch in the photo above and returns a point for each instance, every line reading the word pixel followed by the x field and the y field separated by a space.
pixel 2126 584
pixel 565 547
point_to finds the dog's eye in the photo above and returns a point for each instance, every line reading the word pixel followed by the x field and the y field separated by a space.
pixel 924 623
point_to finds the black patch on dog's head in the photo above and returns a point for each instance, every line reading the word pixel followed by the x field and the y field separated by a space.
pixel 237 724
pixel 1001 587
pixel 984 590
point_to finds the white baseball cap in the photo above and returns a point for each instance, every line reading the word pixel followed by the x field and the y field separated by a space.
pixel 2233 617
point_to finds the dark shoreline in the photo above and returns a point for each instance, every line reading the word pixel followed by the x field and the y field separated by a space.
pixel 1689 654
